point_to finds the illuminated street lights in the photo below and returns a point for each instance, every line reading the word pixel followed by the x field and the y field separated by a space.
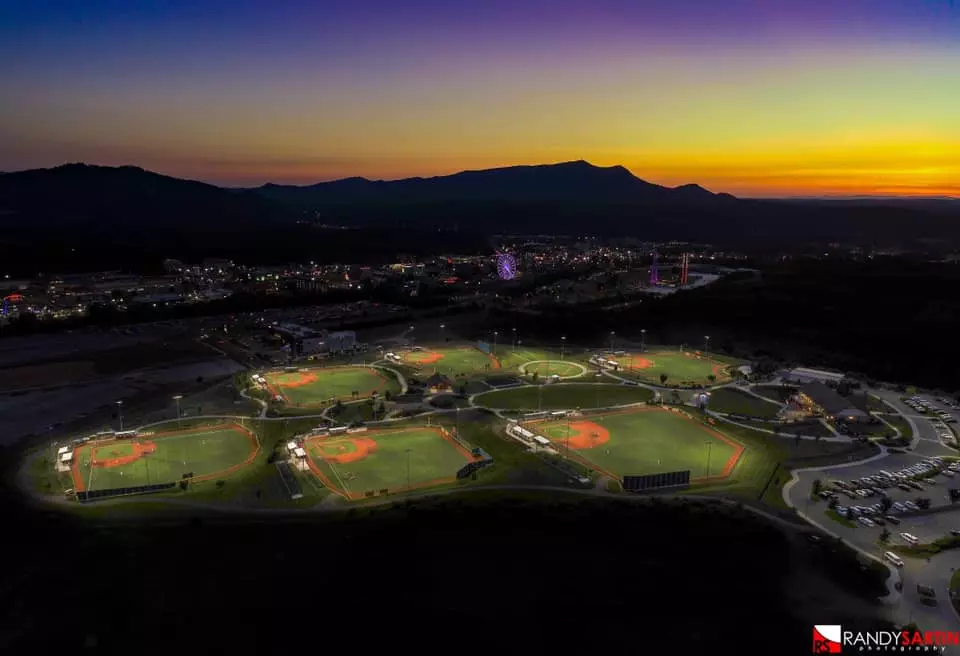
pixel 179 414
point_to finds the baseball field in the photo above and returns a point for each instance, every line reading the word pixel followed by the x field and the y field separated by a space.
pixel 640 441
pixel 449 361
pixel 163 457
pixel 355 464
pixel 316 387
pixel 563 396
pixel 682 368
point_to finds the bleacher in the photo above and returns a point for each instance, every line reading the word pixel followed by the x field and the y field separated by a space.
pixel 95 495
pixel 289 480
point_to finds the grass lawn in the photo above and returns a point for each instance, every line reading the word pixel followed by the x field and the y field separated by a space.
pixel 646 441
pixel 164 457
pixel 682 369
pixel 395 460
pixel 449 361
pixel 732 400
pixel 902 424
pixel 777 393
pixel 563 396
pixel 315 387
pixel 840 519
pixel 510 359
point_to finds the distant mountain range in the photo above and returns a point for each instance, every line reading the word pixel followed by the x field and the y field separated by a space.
pixel 569 181
pixel 107 210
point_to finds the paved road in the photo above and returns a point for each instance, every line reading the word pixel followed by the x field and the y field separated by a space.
pixel 937 571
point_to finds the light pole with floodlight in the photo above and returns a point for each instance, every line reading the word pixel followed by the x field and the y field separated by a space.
pixel 643 334
pixel 612 335
pixel 514 340
pixel 179 414
pixel 706 346
pixel 563 343
pixel 495 333
pixel 120 414
pixel 443 333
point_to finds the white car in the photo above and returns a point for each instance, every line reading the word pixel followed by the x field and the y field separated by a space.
pixel 866 521
pixel 911 505
pixel 912 539
pixel 899 507
pixel 893 558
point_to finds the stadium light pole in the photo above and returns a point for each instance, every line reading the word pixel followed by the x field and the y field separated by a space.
pixel 709 449
pixel 643 334
pixel 177 398
pixel 598 375
pixel 495 333
pixel 443 332
pixel 563 343
pixel 706 346
pixel 514 340
pixel 120 413
pixel 612 335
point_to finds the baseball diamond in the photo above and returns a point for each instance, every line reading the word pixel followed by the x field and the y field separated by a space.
pixel 357 464
pixel 315 387
pixel 205 451
pixel 638 441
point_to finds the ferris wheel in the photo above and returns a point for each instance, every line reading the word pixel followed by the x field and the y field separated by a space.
pixel 506 266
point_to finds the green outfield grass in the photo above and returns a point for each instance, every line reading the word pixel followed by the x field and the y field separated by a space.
pixel 512 359
pixel 203 451
pixel 433 460
pixel 315 387
pixel 729 399
pixel 681 368
pixel 643 441
pixel 563 396
pixel 449 361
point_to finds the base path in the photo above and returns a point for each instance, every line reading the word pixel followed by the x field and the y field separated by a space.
pixel 140 449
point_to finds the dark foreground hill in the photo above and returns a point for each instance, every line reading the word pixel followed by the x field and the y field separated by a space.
pixel 507 575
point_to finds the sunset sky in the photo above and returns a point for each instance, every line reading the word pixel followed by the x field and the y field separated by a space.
pixel 751 97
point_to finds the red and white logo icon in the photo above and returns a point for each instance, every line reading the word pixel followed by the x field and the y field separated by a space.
pixel 827 638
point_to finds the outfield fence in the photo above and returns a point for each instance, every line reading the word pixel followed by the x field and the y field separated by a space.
pixel 98 495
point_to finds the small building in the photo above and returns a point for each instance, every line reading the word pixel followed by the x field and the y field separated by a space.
pixel 438 383
pixel 804 375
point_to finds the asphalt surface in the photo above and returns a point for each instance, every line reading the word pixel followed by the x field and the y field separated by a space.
pixel 935 572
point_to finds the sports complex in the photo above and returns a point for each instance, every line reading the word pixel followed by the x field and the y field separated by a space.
pixel 167 456
pixel 639 441
pixel 378 461
pixel 324 385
